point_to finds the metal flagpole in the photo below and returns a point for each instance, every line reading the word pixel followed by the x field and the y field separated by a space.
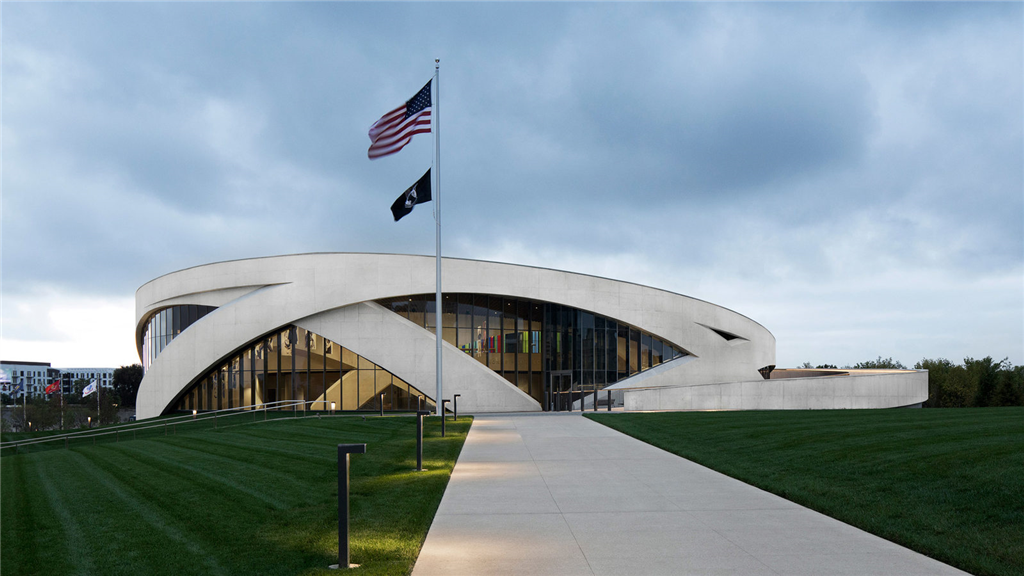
pixel 436 129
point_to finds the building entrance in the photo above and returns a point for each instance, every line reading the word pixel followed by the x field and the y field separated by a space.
pixel 561 390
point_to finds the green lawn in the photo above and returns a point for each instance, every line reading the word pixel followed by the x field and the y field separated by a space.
pixel 948 483
pixel 249 498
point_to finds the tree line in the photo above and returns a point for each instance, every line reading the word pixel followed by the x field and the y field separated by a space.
pixel 976 382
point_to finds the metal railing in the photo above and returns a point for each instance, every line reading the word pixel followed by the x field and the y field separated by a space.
pixel 166 426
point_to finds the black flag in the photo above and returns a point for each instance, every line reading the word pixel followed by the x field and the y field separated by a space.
pixel 418 193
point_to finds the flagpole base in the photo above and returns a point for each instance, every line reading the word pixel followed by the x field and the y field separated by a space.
pixel 337 566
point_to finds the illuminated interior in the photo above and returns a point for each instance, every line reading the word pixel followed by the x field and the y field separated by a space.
pixel 295 364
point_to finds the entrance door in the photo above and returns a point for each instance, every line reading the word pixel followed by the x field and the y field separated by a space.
pixel 560 391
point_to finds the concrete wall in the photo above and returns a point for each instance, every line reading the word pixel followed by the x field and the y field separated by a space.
pixel 858 389
pixel 259 295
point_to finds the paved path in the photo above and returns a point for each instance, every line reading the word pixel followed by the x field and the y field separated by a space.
pixel 561 495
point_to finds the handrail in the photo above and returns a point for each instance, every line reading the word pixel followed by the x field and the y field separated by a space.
pixel 162 423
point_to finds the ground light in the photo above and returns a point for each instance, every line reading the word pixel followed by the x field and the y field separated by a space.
pixel 194 414
pixel 343 471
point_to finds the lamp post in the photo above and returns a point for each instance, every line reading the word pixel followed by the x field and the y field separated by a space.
pixel 419 438
pixel 343 469
pixel 443 402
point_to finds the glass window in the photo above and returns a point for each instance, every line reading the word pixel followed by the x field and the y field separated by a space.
pixel 494 346
pixel 465 315
pixel 634 351
pixel 349 359
pixel 367 390
pixel 480 311
pixel 645 352
pixel 449 311
pixel 417 311
pixel 656 352
pixel 430 306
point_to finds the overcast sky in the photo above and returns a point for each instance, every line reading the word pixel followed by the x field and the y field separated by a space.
pixel 848 175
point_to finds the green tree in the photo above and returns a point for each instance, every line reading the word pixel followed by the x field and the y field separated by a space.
pixel 1010 388
pixel 109 405
pixel 880 363
pixel 826 366
pixel 986 373
pixel 959 390
pixel 938 372
pixel 126 383
pixel 43 413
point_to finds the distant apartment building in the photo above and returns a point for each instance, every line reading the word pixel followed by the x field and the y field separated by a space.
pixel 103 376
pixel 32 378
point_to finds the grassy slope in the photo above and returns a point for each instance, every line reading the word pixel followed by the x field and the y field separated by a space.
pixel 947 483
pixel 245 499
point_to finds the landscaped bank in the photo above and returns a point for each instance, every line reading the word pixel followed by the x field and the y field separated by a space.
pixel 948 483
pixel 255 498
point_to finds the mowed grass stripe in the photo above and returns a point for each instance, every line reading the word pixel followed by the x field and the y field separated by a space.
pixel 33 516
pixel 283 462
pixel 946 482
pixel 105 467
pixel 203 502
pixel 252 482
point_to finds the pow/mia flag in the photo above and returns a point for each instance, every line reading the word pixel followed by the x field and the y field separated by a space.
pixel 418 193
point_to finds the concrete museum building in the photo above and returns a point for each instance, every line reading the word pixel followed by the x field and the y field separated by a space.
pixel 358 331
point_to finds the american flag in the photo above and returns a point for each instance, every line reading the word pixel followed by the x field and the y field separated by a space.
pixel 396 128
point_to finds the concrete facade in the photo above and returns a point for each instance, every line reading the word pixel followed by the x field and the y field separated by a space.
pixel 332 295
pixel 847 390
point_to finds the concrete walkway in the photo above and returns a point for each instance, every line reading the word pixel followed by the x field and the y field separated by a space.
pixel 559 494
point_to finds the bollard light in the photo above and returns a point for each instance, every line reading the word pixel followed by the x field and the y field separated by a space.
pixel 90 421
pixel 332 407
pixel 455 405
pixel 343 468
pixel 194 411
pixel 419 438
pixel 382 404
pixel 30 426
pixel 443 402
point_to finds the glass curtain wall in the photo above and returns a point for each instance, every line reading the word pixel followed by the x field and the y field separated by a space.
pixel 294 364
pixel 504 334
pixel 523 340
pixel 165 325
